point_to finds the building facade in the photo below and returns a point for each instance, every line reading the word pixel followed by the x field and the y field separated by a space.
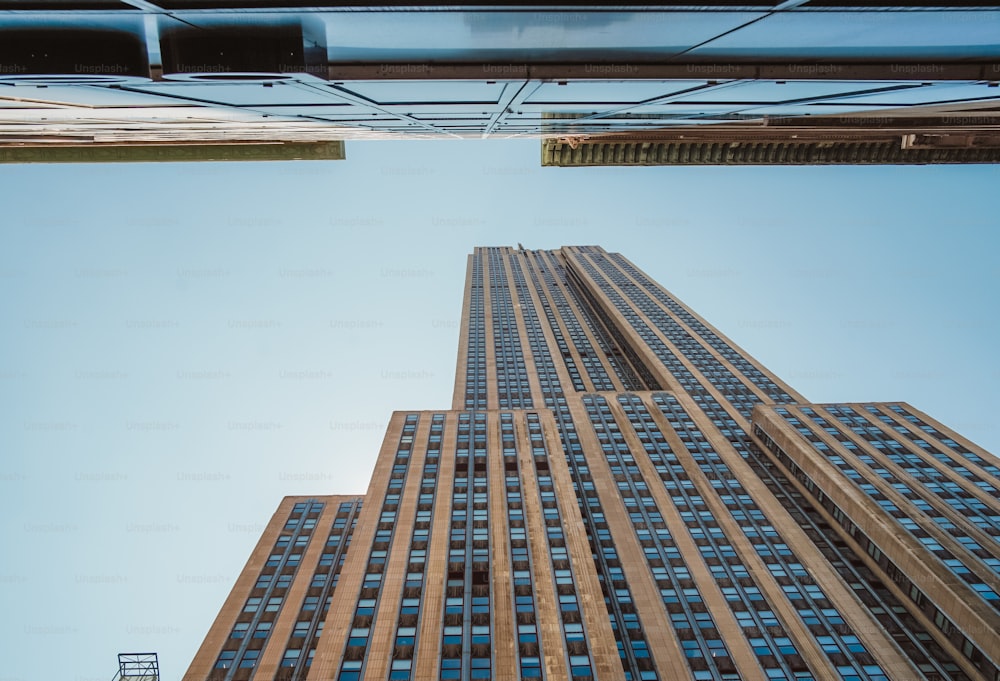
pixel 619 492
pixel 85 73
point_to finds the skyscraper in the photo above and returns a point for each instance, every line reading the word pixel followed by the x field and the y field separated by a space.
pixel 620 492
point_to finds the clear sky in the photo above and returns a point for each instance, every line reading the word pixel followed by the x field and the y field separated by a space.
pixel 182 345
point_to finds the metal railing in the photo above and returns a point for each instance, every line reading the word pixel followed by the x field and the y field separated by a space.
pixel 136 666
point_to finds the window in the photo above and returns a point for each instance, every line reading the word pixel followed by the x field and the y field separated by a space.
pixel 291 657
pixel 226 658
pixel 249 659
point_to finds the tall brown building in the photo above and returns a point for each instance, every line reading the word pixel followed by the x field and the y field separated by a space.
pixel 619 492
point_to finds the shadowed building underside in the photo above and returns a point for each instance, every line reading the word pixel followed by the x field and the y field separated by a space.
pixel 125 72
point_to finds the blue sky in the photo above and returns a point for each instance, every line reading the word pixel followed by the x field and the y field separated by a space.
pixel 182 345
